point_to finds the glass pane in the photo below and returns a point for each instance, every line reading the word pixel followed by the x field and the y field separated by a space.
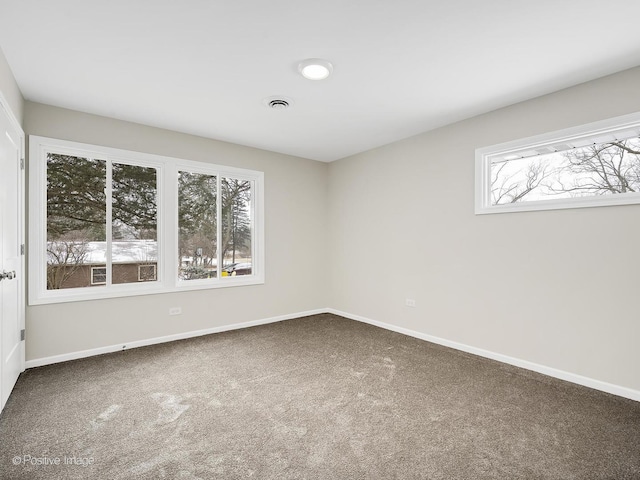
pixel 197 226
pixel 76 220
pixel 237 227
pixel 134 223
pixel 606 168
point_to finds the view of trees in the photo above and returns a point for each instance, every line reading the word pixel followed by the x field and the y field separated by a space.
pixel 134 209
pixel 236 220
pixel 197 238
pixel 599 169
pixel 76 202
pixel 77 213
pixel 65 258
pixel 197 220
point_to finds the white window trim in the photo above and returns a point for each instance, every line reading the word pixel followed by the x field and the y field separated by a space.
pixel 483 169
pixel 167 268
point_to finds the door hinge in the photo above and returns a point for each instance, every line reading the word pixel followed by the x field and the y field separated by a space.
pixel 22 249
pixel 22 334
pixel 22 164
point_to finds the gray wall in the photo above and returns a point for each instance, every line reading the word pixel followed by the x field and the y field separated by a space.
pixel 360 235
pixel 557 288
pixel 9 89
pixel 296 239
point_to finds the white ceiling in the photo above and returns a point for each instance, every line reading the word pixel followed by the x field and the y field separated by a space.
pixel 401 67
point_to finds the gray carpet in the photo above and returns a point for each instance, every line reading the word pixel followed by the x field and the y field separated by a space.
pixel 319 397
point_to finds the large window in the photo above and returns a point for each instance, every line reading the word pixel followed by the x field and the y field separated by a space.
pixel 593 165
pixel 84 229
pixel 107 222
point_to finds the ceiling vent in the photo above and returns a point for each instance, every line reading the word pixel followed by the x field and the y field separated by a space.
pixel 278 103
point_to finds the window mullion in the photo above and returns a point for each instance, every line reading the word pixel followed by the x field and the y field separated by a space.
pixel 219 265
pixel 109 225
pixel 171 227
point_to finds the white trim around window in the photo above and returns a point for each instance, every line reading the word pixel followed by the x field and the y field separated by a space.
pixel 558 191
pixel 167 223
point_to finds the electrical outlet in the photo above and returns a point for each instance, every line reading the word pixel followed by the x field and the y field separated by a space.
pixel 409 302
pixel 175 311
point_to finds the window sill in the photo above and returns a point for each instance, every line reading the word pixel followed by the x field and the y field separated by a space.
pixel 133 290
pixel 602 201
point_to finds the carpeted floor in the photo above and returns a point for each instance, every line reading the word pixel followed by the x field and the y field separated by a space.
pixel 319 397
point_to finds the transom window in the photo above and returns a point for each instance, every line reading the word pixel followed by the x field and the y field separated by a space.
pixel 593 165
pixel 107 222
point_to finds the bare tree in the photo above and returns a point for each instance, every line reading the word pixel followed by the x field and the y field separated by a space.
pixel 514 187
pixel 236 224
pixel 65 258
pixel 600 169
pixel 197 220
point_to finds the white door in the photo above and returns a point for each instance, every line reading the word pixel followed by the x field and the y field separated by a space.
pixel 11 264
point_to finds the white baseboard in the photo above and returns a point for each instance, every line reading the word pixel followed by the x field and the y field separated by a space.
pixel 39 362
pixel 552 372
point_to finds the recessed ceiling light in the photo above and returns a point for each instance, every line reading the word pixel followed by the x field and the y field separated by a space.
pixel 315 68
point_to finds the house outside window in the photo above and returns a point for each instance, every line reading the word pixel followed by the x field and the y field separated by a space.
pixel 107 223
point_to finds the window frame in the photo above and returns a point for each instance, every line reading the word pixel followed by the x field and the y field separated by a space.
pixel 483 168
pixel 257 213
pixel 167 212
